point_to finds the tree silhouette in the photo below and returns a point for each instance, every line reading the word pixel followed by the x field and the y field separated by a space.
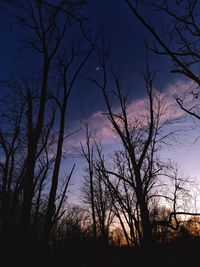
pixel 45 25
pixel 95 192
pixel 180 23
pixel 138 167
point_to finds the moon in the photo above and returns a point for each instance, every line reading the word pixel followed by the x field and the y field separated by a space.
pixel 97 68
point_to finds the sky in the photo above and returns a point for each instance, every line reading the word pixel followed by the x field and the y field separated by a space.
pixel 124 36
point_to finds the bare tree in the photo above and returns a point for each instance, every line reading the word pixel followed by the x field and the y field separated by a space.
pixel 45 25
pixel 74 227
pixel 141 137
pixel 97 194
pixel 41 20
pixel 10 147
pixel 88 154
pixel 67 84
pixel 126 203
pixel 179 23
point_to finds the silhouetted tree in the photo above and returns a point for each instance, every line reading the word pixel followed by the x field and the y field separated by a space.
pixel 179 22
pixel 99 197
pixel 45 25
pixel 88 154
pixel 140 140
pixel 74 227
pixel 67 83
pixel 10 148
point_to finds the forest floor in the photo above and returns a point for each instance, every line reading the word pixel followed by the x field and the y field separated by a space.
pixel 182 253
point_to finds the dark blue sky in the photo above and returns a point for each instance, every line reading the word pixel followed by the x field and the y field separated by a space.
pixel 124 36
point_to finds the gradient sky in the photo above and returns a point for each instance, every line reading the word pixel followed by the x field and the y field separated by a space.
pixel 125 38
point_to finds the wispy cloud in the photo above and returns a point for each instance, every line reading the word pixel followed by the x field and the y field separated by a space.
pixel 137 109
pixel 100 127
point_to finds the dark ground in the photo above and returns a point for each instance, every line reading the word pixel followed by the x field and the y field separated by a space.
pixel 180 253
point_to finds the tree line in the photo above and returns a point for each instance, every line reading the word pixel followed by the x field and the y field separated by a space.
pixel 135 189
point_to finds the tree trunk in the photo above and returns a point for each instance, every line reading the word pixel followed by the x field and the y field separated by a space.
pixel 147 240
pixel 54 184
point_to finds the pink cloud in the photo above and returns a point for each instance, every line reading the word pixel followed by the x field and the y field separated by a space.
pixel 100 127
pixel 180 89
pixel 136 110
